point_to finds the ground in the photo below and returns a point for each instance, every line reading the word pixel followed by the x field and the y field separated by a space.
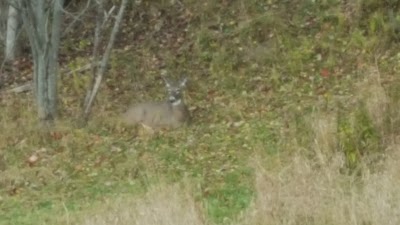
pixel 295 120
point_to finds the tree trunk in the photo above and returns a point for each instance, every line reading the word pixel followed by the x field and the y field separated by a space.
pixel 44 42
pixel 3 20
pixel 11 37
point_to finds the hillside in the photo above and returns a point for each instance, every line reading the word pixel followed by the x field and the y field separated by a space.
pixel 295 108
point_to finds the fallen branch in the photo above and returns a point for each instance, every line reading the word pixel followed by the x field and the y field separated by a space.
pixel 23 88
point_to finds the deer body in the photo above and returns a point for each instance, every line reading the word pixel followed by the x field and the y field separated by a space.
pixel 172 113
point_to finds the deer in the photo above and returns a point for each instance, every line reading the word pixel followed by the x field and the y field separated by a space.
pixel 172 113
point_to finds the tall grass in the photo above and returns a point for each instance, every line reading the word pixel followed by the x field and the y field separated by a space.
pixel 164 205
pixel 320 189
pixel 306 192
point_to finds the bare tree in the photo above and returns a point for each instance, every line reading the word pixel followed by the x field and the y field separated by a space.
pixel 3 19
pixel 3 31
pixel 11 36
pixel 99 69
pixel 42 21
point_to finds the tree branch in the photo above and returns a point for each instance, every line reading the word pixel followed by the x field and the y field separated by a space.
pixel 100 73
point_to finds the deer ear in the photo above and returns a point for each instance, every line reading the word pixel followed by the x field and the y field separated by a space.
pixel 183 82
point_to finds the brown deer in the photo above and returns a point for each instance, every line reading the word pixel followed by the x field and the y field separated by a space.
pixel 172 113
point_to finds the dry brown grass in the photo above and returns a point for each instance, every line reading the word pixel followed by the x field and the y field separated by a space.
pixel 303 192
pixel 165 205
pixel 300 192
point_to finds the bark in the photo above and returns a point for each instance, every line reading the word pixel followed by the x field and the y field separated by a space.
pixel 53 61
pixel 11 35
pixel 44 41
pixel 3 19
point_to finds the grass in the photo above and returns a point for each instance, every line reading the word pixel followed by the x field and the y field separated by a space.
pixel 295 122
